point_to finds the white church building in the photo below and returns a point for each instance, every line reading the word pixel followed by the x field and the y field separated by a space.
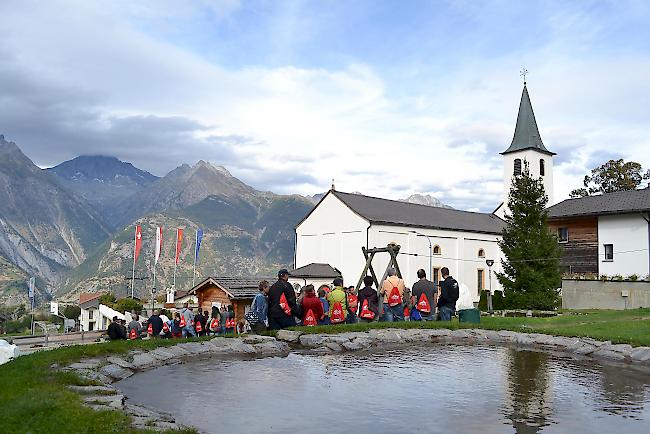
pixel 430 237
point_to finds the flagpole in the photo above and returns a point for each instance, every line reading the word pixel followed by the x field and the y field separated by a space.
pixel 196 241
pixel 175 259
pixel 135 242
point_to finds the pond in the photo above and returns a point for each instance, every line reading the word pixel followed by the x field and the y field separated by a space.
pixel 434 389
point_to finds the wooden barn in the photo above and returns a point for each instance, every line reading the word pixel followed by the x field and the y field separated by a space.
pixel 218 291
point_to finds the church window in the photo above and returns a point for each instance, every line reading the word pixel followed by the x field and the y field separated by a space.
pixel 541 167
pixel 437 250
pixel 517 170
pixel 481 253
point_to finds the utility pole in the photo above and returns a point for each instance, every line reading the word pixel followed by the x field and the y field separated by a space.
pixel 430 253
pixel 490 263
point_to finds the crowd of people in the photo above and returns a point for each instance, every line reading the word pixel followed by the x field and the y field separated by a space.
pixel 278 306
pixel 183 323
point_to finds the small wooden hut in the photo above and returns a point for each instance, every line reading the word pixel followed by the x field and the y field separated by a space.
pixel 219 291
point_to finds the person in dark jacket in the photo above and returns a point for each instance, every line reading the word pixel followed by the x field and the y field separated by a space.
pixel 368 293
pixel 115 330
pixel 156 323
pixel 448 295
pixel 278 318
pixel 198 318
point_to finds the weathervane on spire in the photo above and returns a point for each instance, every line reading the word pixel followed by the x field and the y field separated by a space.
pixel 523 73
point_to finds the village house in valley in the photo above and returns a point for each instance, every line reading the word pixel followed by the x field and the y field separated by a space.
pixel 607 234
pixel 220 291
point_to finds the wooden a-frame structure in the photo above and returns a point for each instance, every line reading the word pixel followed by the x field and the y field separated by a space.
pixel 392 249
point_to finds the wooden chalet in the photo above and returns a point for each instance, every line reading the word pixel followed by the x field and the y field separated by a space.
pixel 219 291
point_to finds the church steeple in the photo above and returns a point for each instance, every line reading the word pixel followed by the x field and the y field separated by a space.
pixel 526 132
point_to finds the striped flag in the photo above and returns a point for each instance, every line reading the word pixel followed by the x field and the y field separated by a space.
pixel 179 242
pixel 159 241
pixel 138 243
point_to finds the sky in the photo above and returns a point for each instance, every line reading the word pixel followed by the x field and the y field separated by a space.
pixel 387 98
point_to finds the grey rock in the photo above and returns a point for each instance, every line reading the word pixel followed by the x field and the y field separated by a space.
pixel 258 339
pixel 334 346
pixel 177 351
pixel 165 426
pixel 120 362
pixel 387 335
pixel 92 375
pixel 274 347
pixel 288 336
pixel 144 361
pixel 114 401
pixel 162 354
pixel 311 340
pixel 353 335
pixel 605 353
pixel 640 354
pixel 357 344
pixel 623 349
pixel 193 348
pixel 86 364
pixel 239 346
pixel 87 390
pixel 141 411
pixel 116 372
pixel 583 349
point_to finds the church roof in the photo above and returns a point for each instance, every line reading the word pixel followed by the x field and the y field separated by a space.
pixel 620 202
pixel 526 132
pixel 393 212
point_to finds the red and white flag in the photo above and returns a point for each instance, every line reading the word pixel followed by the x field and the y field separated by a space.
pixel 159 241
pixel 138 243
pixel 179 243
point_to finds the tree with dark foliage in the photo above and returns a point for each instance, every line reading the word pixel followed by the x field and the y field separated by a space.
pixel 615 175
pixel 531 272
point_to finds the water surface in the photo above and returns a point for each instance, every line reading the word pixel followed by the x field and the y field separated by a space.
pixel 436 389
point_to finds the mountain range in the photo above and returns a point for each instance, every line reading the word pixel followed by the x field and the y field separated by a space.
pixel 72 225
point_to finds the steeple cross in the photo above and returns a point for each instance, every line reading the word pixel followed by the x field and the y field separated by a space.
pixel 523 73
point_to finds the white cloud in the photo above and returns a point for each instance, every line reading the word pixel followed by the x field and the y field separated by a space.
pixel 313 123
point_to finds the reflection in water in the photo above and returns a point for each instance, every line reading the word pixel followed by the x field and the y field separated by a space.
pixel 529 392
pixel 436 389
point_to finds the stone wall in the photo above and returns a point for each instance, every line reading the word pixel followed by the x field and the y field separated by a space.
pixel 596 294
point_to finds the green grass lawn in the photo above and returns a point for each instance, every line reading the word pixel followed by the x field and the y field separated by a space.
pixel 33 396
pixel 629 326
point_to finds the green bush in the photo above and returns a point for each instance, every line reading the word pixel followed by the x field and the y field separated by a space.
pixel 108 300
pixel 72 312
pixel 128 305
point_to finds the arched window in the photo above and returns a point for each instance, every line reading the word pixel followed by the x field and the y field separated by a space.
pixel 517 170
pixel 437 250
pixel 481 253
pixel 541 167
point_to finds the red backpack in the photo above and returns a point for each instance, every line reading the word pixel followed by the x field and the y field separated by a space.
pixel 284 305
pixel 406 312
pixel 214 324
pixel 353 302
pixel 337 313
pixel 150 329
pixel 366 313
pixel 198 327
pixel 182 323
pixel 133 334
pixel 310 319
pixel 394 298
pixel 423 304
pixel 165 327
pixel 230 323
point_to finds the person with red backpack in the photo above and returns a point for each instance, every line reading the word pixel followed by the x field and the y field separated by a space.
pixel 135 327
pixel 391 292
pixel 368 301
pixel 282 303
pixel 311 307
pixel 353 305
pixel 424 297
pixel 338 302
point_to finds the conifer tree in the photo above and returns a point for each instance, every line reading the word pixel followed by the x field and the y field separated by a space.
pixel 531 268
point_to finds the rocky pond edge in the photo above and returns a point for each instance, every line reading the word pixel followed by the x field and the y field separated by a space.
pixel 105 371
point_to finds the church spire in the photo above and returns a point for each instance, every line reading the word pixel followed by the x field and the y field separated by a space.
pixel 526 133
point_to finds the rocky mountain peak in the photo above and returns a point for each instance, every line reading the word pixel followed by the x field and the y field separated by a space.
pixel 425 199
pixel 207 165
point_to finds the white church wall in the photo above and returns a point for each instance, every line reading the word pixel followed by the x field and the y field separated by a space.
pixel 333 234
pixel 458 252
